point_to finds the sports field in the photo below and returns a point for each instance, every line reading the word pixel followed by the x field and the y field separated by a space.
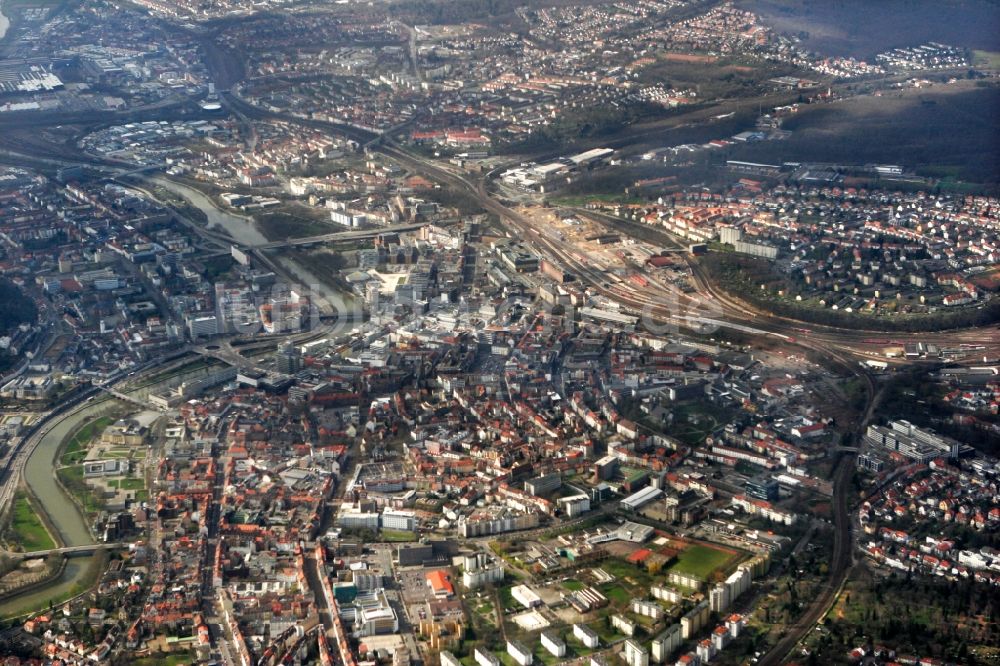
pixel 701 561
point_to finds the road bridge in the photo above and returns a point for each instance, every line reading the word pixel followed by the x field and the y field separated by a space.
pixel 69 550
pixel 125 397
pixel 138 170
pixel 340 235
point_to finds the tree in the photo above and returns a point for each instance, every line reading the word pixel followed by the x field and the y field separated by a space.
pixel 15 307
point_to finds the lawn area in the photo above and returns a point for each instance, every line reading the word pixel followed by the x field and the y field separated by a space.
pixel 127 484
pixel 543 656
pixel 76 449
pixel 397 535
pixel 282 225
pixel 28 528
pixel 133 484
pixel 117 454
pixel 607 634
pixel 581 200
pixel 506 659
pixel 629 572
pixel 573 585
pixel 168 660
pixel 700 561
pixel 574 646
pixel 989 59
pixel 72 478
pixel 506 598
pixel 616 594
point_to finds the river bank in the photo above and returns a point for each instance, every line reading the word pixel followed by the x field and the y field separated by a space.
pixel 239 228
pixel 62 516
pixel 59 510
pixel 328 297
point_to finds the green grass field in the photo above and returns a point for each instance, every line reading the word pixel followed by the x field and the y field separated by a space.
pixel 582 200
pixel 28 528
pixel 616 594
pixel 506 598
pixel 76 449
pixel 397 535
pixel 990 59
pixel 127 484
pixel 117 454
pixel 167 660
pixel 628 572
pixel 700 561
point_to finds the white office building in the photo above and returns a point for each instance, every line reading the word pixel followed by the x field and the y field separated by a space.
pixel 480 569
pixel 647 608
pixel 405 521
pixel 575 505
pixel 666 643
pixel 623 625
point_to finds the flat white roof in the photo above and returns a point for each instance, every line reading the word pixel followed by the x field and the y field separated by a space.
pixel 593 154
pixel 647 494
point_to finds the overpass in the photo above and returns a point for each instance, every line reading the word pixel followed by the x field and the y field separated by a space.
pixel 70 550
pixel 340 235
pixel 229 357
pixel 144 404
pixel 139 170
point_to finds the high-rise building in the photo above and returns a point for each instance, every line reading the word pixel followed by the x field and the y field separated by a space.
pixel 635 654
pixel 288 359
pixel 666 643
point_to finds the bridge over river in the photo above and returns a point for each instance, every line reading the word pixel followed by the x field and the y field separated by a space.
pixel 85 549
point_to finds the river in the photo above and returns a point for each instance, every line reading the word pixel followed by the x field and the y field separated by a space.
pixel 63 513
pixel 241 229
pixel 327 300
